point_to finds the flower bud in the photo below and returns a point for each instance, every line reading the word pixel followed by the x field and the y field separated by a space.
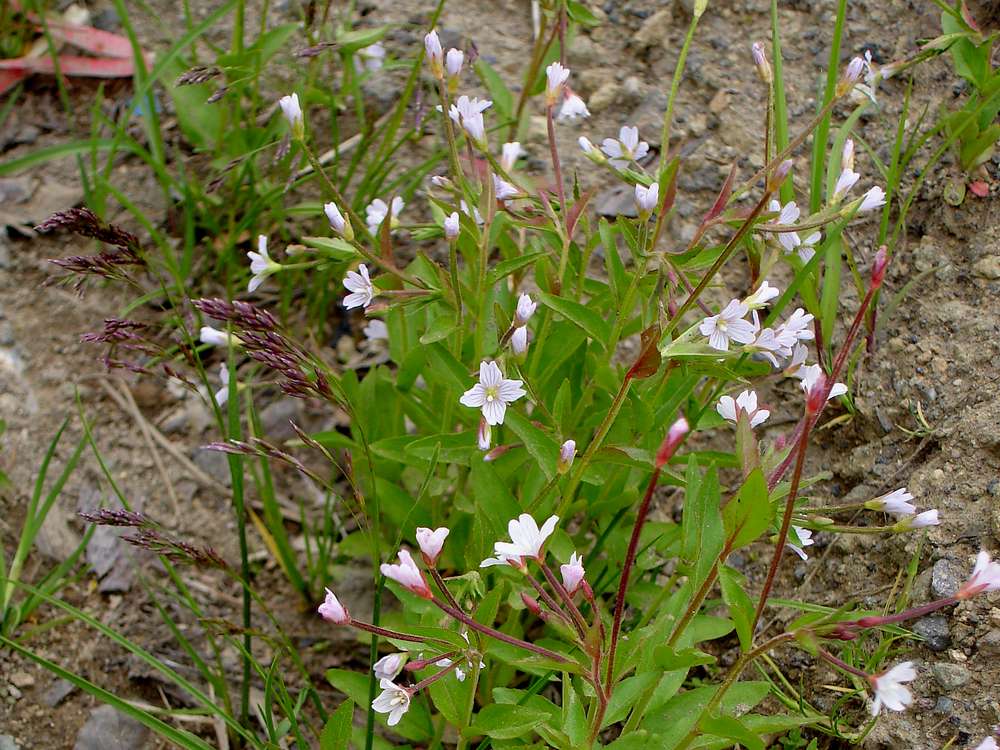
pixel 761 63
pixel 851 76
pixel 519 340
pixel 647 198
pixel 332 610
pixel 816 395
pixel 435 55
pixel 431 541
pixel 484 435
pixel 525 309
pixel 532 604
pixel 567 452
pixel 453 62
pixel 337 221
pixel 879 266
pixel 779 175
pixel 671 442
pixel 847 155
pixel 497 452
pixel 509 155
pixel 591 151
pixel 451 226
pixel 293 114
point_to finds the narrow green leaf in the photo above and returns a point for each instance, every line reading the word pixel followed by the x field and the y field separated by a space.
pixel 506 722
pixel 336 734
pixel 749 514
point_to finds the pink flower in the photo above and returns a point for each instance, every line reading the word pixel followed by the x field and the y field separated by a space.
pixel 572 573
pixel 746 402
pixel 492 393
pixel 985 577
pixel 359 284
pixel 332 610
pixel 889 689
pixel 728 325
pixel 394 700
pixel 431 542
pixel 389 666
pixel 407 575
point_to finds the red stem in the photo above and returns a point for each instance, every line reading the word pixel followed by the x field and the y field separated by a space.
pixel 386 633
pixel 555 160
pixel 493 633
pixel 581 624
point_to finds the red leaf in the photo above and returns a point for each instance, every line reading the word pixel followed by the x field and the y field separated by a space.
pixel 648 361
pixel 720 203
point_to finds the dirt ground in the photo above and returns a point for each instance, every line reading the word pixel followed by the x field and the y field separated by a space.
pixel 938 352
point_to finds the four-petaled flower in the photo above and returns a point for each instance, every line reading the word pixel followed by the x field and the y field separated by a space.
pixel 572 107
pixel 889 689
pixel 572 573
pixel 919 521
pixel 359 284
pixel 896 502
pixel 431 541
pixel 985 577
pixel 503 189
pixel 468 113
pixel 492 393
pixel 261 265
pixel 394 700
pixel 874 198
pixel 332 610
pixel 728 325
pixel 730 408
pixel 811 375
pixel 787 215
pixel 761 296
pixel 377 210
pixel 408 575
pixel 626 148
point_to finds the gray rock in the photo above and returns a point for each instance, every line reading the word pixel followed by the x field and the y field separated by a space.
pixel 988 267
pixel 57 693
pixel 989 644
pixel 213 463
pixel 107 729
pixel 934 630
pixel 274 419
pixel 946 578
pixel 950 676
pixel 7 743
pixel 944 705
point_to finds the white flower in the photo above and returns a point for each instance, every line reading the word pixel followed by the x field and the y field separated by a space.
pixel 451 226
pixel 261 265
pixel 222 395
pixel 873 77
pixel 897 502
pixel 503 189
pixel 484 435
pixel 336 219
pixel 435 55
pixel 771 345
pixel 627 148
pixel 293 113
pixel 985 577
pixel 761 296
pixel 377 210
pixel 359 284
pixel 572 107
pixel 787 215
pixel 526 538
pixel 799 355
pixel 525 309
pixel 376 330
pixel 921 520
pixel 796 328
pixel 555 76
pixel 728 325
pixel 394 701
pixel 806 248
pixel 478 217
pixel 453 62
pixel 468 113
pixel 431 541
pixel 389 666
pixel 215 337
pixel 988 744
pixel 332 610
pixel 730 408
pixel 509 154
pixel 805 537
pixel 845 182
pixel 853 71
pixel 519 340
pixel 440 181
pixel 572 573
pixel 889 690
pixel 492 393
pixel 810 375
pixel 511 560
pixel 407 574
pixel 874 198
pixel 646 198
pixel 567 452
pixel 847 155
pixel 373 56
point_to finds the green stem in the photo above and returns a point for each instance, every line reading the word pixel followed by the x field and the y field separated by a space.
pixel 675 85
pixel 823 129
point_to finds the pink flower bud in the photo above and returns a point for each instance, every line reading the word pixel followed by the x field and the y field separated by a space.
pixel 779 175
pixel 670 443
pixel 332 610
pixel 572 573
pixel 431 541
pixel 567 452
pixel 760 62
pixel 879 266
pixel 408 575
pixel 532 604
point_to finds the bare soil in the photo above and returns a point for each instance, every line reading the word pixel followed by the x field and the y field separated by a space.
pixel 937 352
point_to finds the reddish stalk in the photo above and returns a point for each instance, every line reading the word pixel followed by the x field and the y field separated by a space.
pixel 827 656
pixel 581 624
pixel 441 585
pixel 550 124
pixel 386 633
pixel 433 678
pixel 552 603
pixel 493 633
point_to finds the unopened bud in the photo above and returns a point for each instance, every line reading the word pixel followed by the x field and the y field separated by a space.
pixel 675 435
pixel 851 76
pixel 847 155
pixel 531 603
pixel 494 454
pixel 879 266
pixel 761 63
pixel 567 452
pixel 485 435
pixel 779 175
pixel 817 395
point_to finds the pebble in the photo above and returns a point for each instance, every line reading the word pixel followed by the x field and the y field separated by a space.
pixel 988 267
pixel 107 729
pixel 22 679
pixel 655 29
pixel 944 705
pixel 934 631
pixel 946 578
pixel 57 693
pixel 950 676
pixel 7 743
pixel 989 644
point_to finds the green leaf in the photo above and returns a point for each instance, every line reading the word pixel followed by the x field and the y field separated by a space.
pixel 626 694
pixel 352 41
pixel 731 728
pixel 336 247
pixel 579 13
pixel 505 722
pixel 511 265
pixel 702 534
pixel 593 324
pixel 673 659
pixel 542 448
pixel 741 608
pixel 441 328
pixel 73 148
pixel 503 100
pixel 748 515
pixel 336 734
pixel 574 720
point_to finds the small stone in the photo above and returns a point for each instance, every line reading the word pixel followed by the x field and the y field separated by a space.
pixel 989 644
pixel 946 578
pixel 22 679
pixel 993 488
pixel 944 705
pixel 107 729
pixel 604 97
pixel 934 630
pixel 57 693
pixel 988 267
pixel 950 676
pixel 7 743
pixel 655 29
pixel 883 420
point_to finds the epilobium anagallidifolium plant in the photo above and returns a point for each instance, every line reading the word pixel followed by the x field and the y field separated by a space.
pixel 565 463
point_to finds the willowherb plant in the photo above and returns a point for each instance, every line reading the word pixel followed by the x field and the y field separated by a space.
pixel 529 380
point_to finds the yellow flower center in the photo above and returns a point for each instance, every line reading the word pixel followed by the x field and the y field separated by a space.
pixel 492 393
